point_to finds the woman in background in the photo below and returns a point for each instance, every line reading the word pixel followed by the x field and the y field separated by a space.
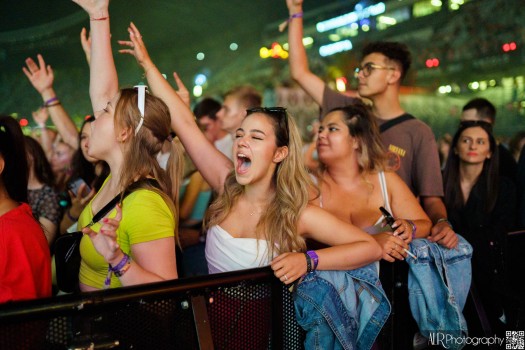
pixel 25 266
pixel 482 207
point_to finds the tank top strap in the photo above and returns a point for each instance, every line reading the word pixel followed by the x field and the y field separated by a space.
pixel 384 190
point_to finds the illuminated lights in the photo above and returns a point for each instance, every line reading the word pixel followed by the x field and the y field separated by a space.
pixel 234 46
pixel 197 91
pixel 483 85
pixel 387 20
pixel 200 56
pixel 307 42
pixel 334 37
pixel 351 17
pixel 330 49
pixel 23 122
pixel 436 3
pixel 445 89
pixel 200 79
pixel 365 27
pixel 432 63
pixel 276 51
pixel 340 84
pixel 492 83
pixel 509 46
pixel 473 85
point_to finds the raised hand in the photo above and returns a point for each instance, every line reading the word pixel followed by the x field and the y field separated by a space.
pixel 105 241
pixel 40 116
pixel 294 4
pixel 183 93
pixel 40 76
pixel 85 40
pixel 95 8
pixel 136 47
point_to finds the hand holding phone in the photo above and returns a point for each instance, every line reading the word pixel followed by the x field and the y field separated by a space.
pixel 74 187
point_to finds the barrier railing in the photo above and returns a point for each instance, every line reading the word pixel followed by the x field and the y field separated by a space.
pixel 248 309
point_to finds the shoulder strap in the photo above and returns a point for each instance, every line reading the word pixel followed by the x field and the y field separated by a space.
pixel 102 212
pixel 392 122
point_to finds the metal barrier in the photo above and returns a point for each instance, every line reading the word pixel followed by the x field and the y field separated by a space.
pixel 248 309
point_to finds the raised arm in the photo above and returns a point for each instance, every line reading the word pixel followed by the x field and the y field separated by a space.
pixel 350 247
pixel 41 77
pixel 311 83
pixel 211 163
pixel 103 82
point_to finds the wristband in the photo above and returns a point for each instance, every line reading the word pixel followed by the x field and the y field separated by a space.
pixel 283 25
pixel 71 217
pixel 99 19
pixel 414 228
pixel 47 103
pixel 308 263
pixel 118 270
pixel 445 220
pixel 315 258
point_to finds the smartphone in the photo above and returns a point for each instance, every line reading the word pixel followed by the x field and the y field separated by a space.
pixel 74 186
pixel 388 217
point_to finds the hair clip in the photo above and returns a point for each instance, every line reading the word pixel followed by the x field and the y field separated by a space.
pixel 141 103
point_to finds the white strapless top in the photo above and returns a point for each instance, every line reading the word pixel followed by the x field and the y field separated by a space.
pixel 226 253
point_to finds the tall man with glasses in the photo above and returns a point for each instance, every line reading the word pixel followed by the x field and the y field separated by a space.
pixel 410 143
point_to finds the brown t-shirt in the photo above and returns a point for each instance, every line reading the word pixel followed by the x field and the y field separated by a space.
pixel 411 148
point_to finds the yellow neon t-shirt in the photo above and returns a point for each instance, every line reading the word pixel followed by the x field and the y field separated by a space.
pixel 145 217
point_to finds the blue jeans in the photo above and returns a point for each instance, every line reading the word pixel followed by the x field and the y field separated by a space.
pixel 438 286
pixel 341 309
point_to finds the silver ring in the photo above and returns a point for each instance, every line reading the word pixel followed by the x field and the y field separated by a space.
pixel 285 278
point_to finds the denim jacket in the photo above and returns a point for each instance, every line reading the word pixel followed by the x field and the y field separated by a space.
pixel 438 285
pixel 341 309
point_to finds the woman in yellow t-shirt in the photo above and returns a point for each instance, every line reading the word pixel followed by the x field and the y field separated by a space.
pixel 128 133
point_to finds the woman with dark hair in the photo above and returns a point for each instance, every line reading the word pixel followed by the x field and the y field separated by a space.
pixel 25 266
pixel 87 171
pixel 43 199
pixel 482 207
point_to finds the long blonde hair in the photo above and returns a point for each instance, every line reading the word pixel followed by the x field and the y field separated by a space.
pixel 278 223
pixel 140 155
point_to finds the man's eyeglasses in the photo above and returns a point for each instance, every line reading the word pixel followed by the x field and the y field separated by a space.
pixel 278 113
pixel 368 68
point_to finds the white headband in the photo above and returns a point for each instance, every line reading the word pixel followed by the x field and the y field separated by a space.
pixel 141 103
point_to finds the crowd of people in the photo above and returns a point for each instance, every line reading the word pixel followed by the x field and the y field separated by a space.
pixel 253 195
